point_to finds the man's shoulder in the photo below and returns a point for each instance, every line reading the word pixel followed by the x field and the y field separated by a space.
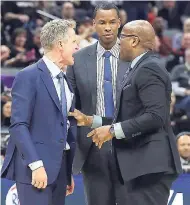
pixel 155 66
pixel 152 61
pixel 85 51
pixel 179 68
pixel 30 71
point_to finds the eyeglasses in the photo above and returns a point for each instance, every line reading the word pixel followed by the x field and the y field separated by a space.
pixel 122 36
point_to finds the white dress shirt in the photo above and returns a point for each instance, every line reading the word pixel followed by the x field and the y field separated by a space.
pixel 54 71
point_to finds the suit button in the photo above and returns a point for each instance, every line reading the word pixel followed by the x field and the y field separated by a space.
pixel 62 123
pixel 61 140
pixel 22 156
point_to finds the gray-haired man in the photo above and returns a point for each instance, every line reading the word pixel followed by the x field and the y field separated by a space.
pixel 42 143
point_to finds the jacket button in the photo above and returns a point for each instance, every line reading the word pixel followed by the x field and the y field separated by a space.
pixel 22 156
pixel 62 123
pixel 61 140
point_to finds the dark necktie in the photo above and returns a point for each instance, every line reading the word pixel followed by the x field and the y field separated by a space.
pixel 63 102
pixel 108 89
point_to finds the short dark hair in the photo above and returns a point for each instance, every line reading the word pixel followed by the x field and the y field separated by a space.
pixel 17 32
pixel 105 6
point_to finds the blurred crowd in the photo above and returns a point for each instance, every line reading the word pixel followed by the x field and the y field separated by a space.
pixel 21 23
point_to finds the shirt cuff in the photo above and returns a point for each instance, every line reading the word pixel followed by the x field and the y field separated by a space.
pixel 97 121
pixel 35 165
pixel 119 134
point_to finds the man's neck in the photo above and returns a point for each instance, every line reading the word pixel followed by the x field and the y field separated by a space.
pixel 55 59
pixel 108 46
pixel 138 53
pixel 186 158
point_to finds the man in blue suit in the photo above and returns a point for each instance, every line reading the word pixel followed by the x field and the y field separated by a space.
pixel 42 143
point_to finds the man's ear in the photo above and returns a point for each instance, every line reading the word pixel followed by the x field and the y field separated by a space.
pixel 119 22
pixel 135 41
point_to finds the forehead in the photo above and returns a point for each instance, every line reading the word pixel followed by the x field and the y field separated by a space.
pixel 106 14
pixel 184 138
pixel 68 5
pixel 71 32
pixel 126 30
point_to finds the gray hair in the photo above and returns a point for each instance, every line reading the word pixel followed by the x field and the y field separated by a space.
pixel 54 31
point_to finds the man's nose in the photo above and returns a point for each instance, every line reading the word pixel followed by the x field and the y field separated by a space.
pixel 107 28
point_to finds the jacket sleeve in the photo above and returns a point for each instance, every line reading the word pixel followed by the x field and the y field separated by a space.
pixel 23 101
pixel 71 77
pixel 155 98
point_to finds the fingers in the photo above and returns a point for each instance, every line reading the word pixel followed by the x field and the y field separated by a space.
pixel 39 184
pixel 68 191
pixel 36 184
pixel 90 134
pixel 33 182
pixel 100 145
pixel 39 178
pixel 44 184
pixel 75 113
pixel 72 114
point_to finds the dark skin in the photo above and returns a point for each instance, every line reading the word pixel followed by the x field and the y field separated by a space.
pixel 137 37
pixel 107 24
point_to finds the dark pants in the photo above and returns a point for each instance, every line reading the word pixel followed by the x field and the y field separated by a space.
pixel 151 189
pixel 53 194
pixel 101 178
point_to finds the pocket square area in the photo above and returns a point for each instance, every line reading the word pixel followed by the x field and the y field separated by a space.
pixel 126 86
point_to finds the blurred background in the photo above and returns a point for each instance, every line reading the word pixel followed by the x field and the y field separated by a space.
pixel 21 23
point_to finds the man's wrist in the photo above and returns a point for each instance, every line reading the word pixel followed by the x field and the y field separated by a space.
pixel 36 165
pixel 89 120
pixel 112 131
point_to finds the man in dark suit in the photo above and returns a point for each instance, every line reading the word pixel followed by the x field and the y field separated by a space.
pixel 42 143
pixel 93 77
pixel 143 141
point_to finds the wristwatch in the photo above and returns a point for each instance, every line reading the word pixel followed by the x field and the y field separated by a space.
pixel 112 131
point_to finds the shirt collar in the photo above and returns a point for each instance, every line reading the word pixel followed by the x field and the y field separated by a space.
pixel 114 50
pixel 54 69
pixel 137 59
pixel 183 161
pixel 188 66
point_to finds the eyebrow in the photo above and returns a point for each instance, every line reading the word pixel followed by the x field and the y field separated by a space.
pixel 109 20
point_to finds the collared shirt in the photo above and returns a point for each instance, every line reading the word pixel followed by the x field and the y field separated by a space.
pixel 114 58
pixel 97 120
pixel 185 165
pixel 134 62
pixel 54 71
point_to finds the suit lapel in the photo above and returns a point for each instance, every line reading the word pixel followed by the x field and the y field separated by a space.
pixel 127 79
pixel 72 94
pixel 91 64
pixel 48 82
pixel 122 68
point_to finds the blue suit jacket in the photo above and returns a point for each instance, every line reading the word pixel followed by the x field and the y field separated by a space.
pixel 37 126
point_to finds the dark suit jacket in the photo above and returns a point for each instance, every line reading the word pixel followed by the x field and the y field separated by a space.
pixel 36 126
pixel 83 77
pixel 143 104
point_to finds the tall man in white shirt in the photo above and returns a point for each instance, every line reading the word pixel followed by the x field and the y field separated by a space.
pixel 42 143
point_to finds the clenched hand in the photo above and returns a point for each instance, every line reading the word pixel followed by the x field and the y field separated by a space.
pixel 39 178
